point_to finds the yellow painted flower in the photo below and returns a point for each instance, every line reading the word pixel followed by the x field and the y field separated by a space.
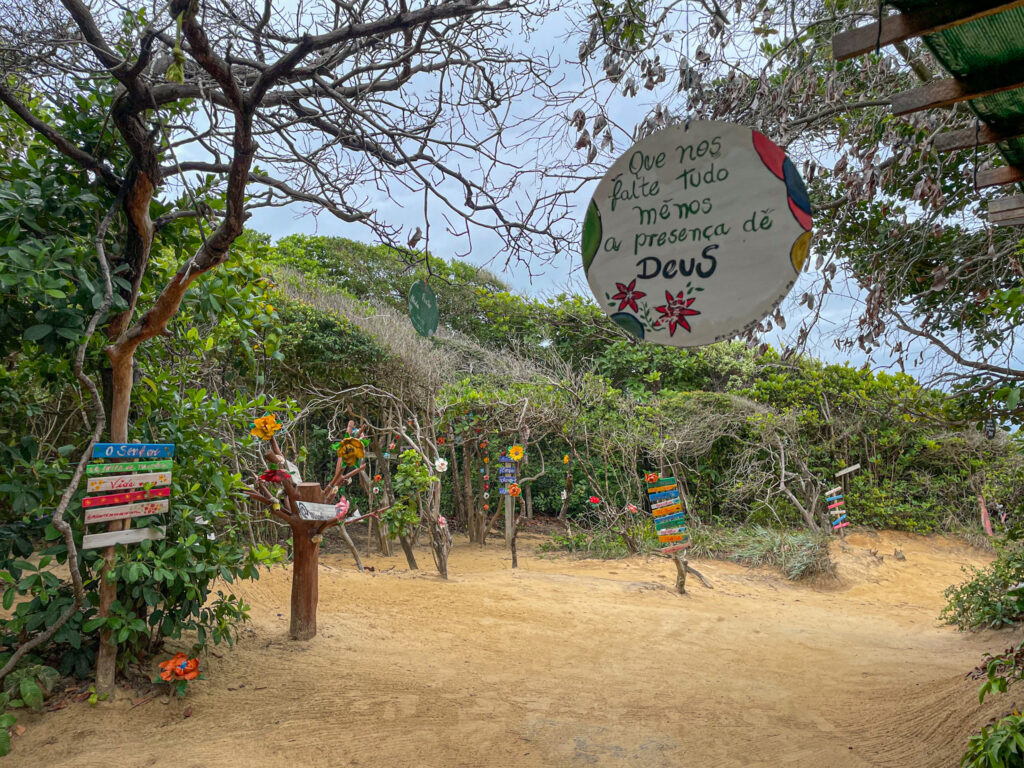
pixel 565 459
pixel 265 427
pixel 515 452
pixel 351 450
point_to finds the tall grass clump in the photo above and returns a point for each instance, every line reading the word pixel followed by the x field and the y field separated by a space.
pixel 798 554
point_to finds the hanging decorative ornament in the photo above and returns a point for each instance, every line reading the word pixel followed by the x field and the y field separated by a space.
pixel 565 459
pixel 440 441
pixel 487 459
pixel 376 489
pixel 487 486
pixel 696 233
pixel 514 490
pixel 487 477
pixel 441 465
pixel 387 455
pixel 423 309
pixel 651 477
pixel 484 443
pixel 487 495
pixel 515 452
pixel 391 446
pixel 565 495
pixel 377 478
pixel 350 451
pixel 486 507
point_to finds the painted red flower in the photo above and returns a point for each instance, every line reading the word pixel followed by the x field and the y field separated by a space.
pixel 628 295
pixel 274 476
pixel 179 667
pixel 594 500
pixel 675 311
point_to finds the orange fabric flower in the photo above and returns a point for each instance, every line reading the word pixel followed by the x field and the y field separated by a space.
pixel 179 667
pixel 651 477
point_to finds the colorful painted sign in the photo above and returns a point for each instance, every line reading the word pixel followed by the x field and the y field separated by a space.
pixel 144 492
pixel 128 466
pixel 666 506
pixel 125 512
pixel 835 503
pixel 125 498
pixel 127 482
pixel 848 470
pixel 130 536
pixel 696 233
pixel 133 451
pixel 423 309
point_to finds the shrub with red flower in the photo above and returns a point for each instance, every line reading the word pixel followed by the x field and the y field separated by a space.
pixel 178 671
pixel 274 476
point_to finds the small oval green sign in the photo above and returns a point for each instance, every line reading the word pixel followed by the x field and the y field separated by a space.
pixel 423 308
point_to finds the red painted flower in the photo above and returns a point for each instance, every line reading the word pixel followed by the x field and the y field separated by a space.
pixel 179 667
pixel 628 295
pixel 651 477
pixel 594 500
pixel 274 476
pixel 376 478
pixel 675 311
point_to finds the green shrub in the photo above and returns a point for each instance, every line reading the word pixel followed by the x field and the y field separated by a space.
pixel 984 601
pixel 798 554
pixel 1001 746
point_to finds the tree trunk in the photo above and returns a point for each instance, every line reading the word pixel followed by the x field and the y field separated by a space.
pixel 351 547
pixel 121 397
pixel 528 495
pixel 305 586
pixel 680 559
pixel 407 548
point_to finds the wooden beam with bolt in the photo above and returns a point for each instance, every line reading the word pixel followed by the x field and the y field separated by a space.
pixel 994 177
pixel 949 91
pixel 903 26
pixel 980 136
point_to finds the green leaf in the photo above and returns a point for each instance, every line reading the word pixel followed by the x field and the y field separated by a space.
pixel 5 742
pixel 93 624
pixel 37 332
pixel 1013 398
pixel 31 693
pixel 7 720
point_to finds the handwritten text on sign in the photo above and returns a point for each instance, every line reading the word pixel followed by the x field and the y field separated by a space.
pixel 107 514
pixel 695 235
pixel 133 451
pixel 127 482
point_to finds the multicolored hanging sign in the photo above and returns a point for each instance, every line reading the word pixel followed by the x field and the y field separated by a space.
pixel 834 499
pixel 144 492
pixel 506 474
pixel 696 233
pixel 666 506
pixel 423 309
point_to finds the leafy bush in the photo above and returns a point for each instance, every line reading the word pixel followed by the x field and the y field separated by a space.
pixel 984 601
pixel 1001 746
pixel 798 554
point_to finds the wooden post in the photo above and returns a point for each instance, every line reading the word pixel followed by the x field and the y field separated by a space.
pixel 305 585
pixel 509 522
pixel 680 560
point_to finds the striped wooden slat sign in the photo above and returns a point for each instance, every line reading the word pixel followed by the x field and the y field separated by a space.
pixel 127 482
pixel 670 531
pixel 668 510
pixel 666 502
pixel 108 514
pixel 125 498
pixel 661 489
pixel 673 537
pixel 841 525
pixel 131 536
pixel 675 548
pixel 664 495
pixel 667 520
pixel 667 481
pixel 128 466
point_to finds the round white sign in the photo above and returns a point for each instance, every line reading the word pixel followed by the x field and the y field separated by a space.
pixel 696 234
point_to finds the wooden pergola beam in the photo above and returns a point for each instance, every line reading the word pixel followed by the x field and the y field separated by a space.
pixel 980 136
pixel 902 26
pixel 1004 204
pixel 995 177
pixel 945 93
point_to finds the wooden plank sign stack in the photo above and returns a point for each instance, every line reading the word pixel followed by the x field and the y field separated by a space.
pixel 667 508
pixel 146 491
pixel 506 474
pixel 834 499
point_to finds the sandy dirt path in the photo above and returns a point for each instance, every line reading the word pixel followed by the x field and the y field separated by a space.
pixel 570 663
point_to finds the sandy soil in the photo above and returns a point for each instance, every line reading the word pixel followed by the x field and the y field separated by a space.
pixel 567 662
